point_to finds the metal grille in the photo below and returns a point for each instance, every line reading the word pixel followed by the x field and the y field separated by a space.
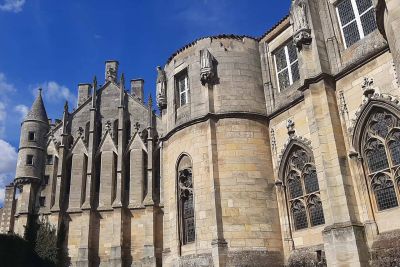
pixel 368 22
pixel 295 188
pixel 386 198
pixel 299 216
pixel 351 34
pixel 395 152
pixel 316 215
pixel 363 5
pixel 376 158
pixel 284 79
pixel 280 57
pixel 292 51
pixel 346 12
pixel 295 71
pixel 311 182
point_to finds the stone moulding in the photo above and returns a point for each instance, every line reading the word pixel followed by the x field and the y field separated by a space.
pixel 386 101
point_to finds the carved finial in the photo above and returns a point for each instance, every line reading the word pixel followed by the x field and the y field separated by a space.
pixel 150 102
pixel 122 81
pixel 137 126
pixel 95 83
pixel 66 107
pixel 290 127
pixel 368 87
pixel 108 126
pixel 40 91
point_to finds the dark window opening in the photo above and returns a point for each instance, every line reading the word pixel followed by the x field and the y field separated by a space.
pixel 29 160
pixel 31 136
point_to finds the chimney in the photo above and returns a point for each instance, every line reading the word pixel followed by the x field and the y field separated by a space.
pixel 111 71
pixel 137 86
pixel 83 92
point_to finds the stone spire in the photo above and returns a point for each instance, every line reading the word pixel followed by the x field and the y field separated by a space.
pixel 38 111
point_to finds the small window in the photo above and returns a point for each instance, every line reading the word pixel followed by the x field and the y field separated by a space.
pixel 42 201
pixel 29 160
pixel 357 19
pixel 287 65
pixel 31 136
pixel 49 160
pixel 46 180
pixel 182 86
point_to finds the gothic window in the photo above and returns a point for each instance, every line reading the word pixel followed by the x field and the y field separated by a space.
pixel 381 150
pixel 357 19
pixel 182 86
pixel 287 65
pixel 303 189
pixel 186 201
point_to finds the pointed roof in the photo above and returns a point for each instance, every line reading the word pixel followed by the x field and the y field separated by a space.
pixel 38 111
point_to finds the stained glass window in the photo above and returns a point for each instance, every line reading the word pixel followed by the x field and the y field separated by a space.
pixel 186 207
pixel 394 147
pixel 287 66
pixel 357 19
pixel 302 186
pixel 382 153
pixel 385 193
pixel 316 211
pixel 299 216
pixel 376 157
pixel 311 181
pixel 295 187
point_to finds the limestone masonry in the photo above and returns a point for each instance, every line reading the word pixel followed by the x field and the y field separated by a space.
pixel 282 150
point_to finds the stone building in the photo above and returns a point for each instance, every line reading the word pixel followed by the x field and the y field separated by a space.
pixel 271 151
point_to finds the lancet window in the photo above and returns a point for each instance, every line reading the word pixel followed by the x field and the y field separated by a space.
pixel 302 188
pixel 381 152
pixel 186 201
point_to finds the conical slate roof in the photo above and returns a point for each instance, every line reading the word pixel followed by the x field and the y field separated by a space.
pixel 38 111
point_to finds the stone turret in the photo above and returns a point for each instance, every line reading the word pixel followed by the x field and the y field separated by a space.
pixel 31 161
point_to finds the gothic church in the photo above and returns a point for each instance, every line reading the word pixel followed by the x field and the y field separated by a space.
pixel 280 150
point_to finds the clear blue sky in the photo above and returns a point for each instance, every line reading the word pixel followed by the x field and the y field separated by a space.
pixel 58 44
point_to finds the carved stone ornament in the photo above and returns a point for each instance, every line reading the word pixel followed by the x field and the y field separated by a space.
pixel 290 127
pixel 111 75
pixel 108 126
pixel 301 26
pixel 207 73
pixel 368 87
pixel 161 88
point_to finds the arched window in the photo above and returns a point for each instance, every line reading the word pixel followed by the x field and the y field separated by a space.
pixel 302 189
pixel 186 201
pixel 381 150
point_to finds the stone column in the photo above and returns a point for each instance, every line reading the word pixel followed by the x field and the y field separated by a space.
pixel 343 235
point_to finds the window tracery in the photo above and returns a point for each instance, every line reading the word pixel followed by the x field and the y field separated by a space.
pixel 303 189
pixel 381 149
pixel 186 201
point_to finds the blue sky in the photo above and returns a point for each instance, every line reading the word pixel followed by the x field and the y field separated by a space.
pixel 58 44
